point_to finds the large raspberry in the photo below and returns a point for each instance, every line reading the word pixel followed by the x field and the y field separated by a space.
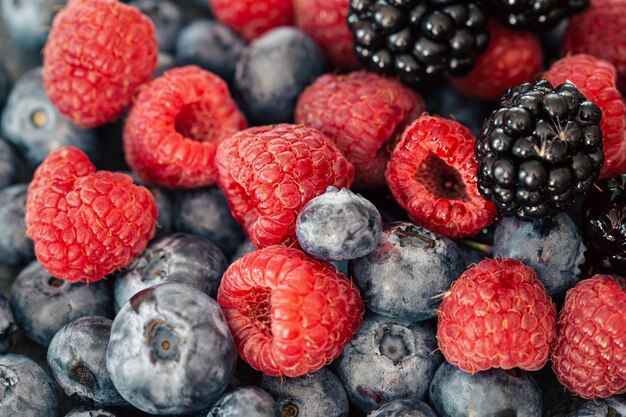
pixel 363 114
pixel 252 18
pixel 589 354
pixel 496 315
pixel 432 175
pixel 269 173
pixel 86 224
pixel 290 314
pixel 174 128
pixel 98 53
pixel 596 79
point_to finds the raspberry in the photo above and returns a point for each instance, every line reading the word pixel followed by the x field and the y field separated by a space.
pixel 98 53
pixel 174 128
pixel 511 58
pixel 496 315
pixel 86 224
pixel 269 173
pixel 596 79
pixel 325 22
pixel 252 18
pixel 362 114
pixel 432 174
pixel 588 355
pixel 290 314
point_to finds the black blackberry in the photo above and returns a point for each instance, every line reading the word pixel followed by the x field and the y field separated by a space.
pixel 540 149
pixel 418 40
pixel 604 225
pixel 535 14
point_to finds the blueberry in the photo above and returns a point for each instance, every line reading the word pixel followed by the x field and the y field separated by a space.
pixel 32 123
pixel 388 360
pixel 83 411
pixel 338 225
pixel 165 62
pixel 316 395
pixel 244 401
pixel 553 248
pixel 447 102
pixel 608 407
pixel 166 209
pixel 171 351
pixel 15 248
pixel 210 45
pixel 403 408
pixel 29 21
pixel 7 324
pixel 272 72
pixel 167 18
pixel 43 304
pixel 407 272
pixel 5 83
pixel 205 212
pixel 246 247
pixel 496 392
pixel 77 360
pixel 8 165
pixel 26 390
pixel 178 257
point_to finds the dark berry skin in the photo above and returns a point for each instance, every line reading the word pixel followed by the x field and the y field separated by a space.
pixel 388 360
pixel 178 257
pixel 166 210
pixel 446 101
pixel 83 411
pixel 15 247
pixel 5 83
pixel 272 72
pixel 26 390
pixel 7 324
pixel 496 392
pixel 166 17
pixel 409 268
pixel 533 15
pixel 244 401
pixel 171 351
pixel 319 394
pixel 77 360
pixel 403 408
pixel 29 21
pixel 43 304
pixel 246 247
pixel 608 407
pixel 8 165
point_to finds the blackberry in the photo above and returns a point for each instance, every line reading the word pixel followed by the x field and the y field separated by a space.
pixel 419 40
pixel 604 224
pixel 540 149
pixel 535 14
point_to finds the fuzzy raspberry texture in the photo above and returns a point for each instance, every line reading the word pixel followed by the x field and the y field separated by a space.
pixel 432 175
pixel 596 79
pixel 174 128
pixel 589 355
pixel 252 18
pixel 363 114
pixel 97 54
pixel 497 315
pixel 86 224
pixel 269 173
pixel 325 22
pixel 290 314
pixel 512 58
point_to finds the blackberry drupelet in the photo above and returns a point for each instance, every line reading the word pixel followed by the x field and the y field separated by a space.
pixel 540 149
pixel 535 14
pixel 604 224
pixel 418 40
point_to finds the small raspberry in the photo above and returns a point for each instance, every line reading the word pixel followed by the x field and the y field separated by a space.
pixel 252 18
pixel 290 314
pixel 98 53
pixel 432 174
pixel 596 79
pixel 512 58
pixel 588 356
pixel 325 22
pixel 363 114
pixel 86 224
pixel 269 173
pixel 174 128
pixel 496 315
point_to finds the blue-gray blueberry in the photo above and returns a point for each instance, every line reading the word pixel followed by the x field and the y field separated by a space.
pixel 247 401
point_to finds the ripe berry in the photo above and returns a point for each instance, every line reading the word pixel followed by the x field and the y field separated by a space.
pixel 252 18
pixel 535 14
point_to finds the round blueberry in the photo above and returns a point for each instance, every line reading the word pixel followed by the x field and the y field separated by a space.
pixel 8 165
pixel 43 304
pixel 171 351
pixel 403 408
pixel 83 411
pixel 29 21
pixel 15 247
pixel 7 324
pixel 166 17
pixel 607 407
pixel 244 401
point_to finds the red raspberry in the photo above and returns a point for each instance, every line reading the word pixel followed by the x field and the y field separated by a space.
pixel 252 18
pixel 432 174
pixel 86 224
pixel 98 53
pixel 512 58
pixel 269 173
pixel 325 22
pixel 290 314
pixel 589 355
pixel 496 315
pixel 363 114
pixel 174 128
pixel 596 78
